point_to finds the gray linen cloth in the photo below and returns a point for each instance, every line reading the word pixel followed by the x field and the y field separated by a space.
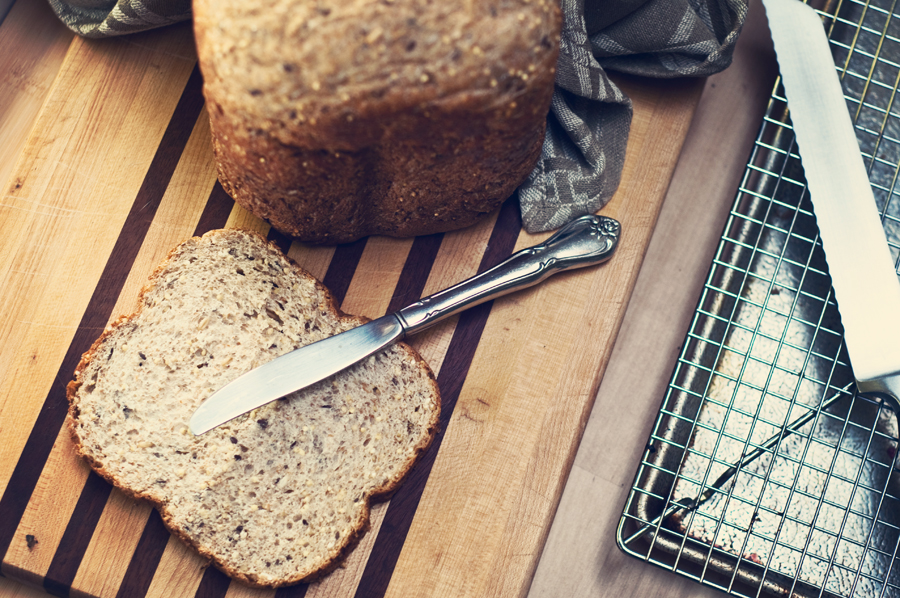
pixel 106 18
pixel 587 128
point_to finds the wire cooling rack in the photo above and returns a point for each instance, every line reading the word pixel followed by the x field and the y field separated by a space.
pixel 765 473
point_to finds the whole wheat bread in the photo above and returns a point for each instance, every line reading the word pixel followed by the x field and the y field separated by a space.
pixel 276 496
pixel 336 120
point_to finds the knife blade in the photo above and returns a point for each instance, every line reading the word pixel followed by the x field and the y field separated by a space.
pixel 860 263
pixel 586 241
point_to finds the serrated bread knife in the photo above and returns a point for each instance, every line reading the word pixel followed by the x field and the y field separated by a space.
pixel 859 261
pixel 586 241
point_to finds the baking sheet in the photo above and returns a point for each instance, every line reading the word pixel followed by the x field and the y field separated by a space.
pixel 815 513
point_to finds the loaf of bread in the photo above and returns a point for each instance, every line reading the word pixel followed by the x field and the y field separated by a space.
pixel 276 496
pixel 335 120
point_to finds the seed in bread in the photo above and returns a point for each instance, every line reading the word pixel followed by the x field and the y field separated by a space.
pixel 278 495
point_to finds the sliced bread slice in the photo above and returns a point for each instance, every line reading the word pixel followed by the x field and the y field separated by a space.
pixel 276 496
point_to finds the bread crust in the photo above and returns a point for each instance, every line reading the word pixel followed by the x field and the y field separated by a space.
pixel 378 494
pixel 419 119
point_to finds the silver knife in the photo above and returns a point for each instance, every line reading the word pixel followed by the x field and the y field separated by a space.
pixel 862 269
pixel 586 241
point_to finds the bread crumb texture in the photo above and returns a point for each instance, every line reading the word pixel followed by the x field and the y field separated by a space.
pixel 275 496
pixel 339 119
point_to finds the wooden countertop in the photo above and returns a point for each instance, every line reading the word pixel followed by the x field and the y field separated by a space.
pixel 579 556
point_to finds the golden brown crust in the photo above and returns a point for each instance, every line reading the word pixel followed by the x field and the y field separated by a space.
pixel 162 506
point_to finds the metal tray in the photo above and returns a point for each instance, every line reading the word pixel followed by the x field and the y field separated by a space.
pixel 765 472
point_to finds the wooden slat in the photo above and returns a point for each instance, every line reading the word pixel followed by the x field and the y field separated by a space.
pixel 314 260
pixel 179 572
pixel 241 218
pixel 112 540
pixel 376 276
pixel 33 44
pixel 236 590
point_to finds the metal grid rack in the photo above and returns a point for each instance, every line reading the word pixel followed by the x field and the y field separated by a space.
pixel 765 472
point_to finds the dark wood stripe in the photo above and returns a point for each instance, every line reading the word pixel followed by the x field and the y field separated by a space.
pixel 297 591
pixel 214 584
pixel 215 213
pixel 343 264
pixel 99 310
pixel 455 367
pixel 152 545
pixel 3 18
pixel 415 271
pixel 145 559
pixel 77 536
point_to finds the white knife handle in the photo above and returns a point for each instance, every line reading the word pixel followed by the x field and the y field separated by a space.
pixel 860 262
pixel 583 242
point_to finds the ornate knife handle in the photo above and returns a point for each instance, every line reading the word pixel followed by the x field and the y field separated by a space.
pixel 583 242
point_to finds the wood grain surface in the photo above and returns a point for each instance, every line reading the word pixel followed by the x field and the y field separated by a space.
pixel 117 169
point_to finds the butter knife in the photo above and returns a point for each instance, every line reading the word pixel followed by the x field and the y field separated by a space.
pixel 584 242
pixel 859 260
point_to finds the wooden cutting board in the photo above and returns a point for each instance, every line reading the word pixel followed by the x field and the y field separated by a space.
pixel 105 154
